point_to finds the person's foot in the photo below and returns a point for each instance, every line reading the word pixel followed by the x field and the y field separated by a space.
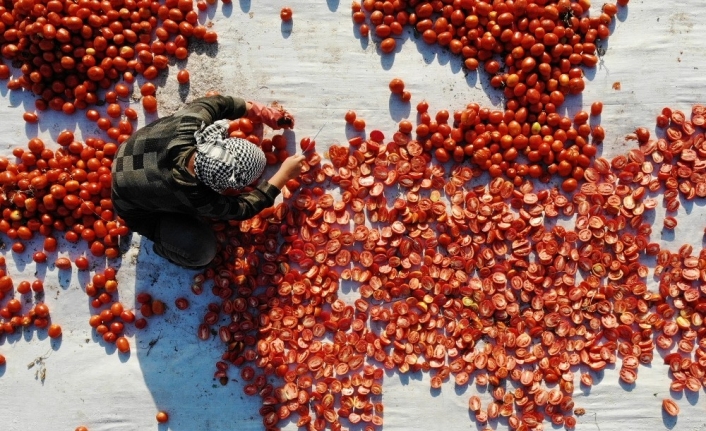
pixel 159 251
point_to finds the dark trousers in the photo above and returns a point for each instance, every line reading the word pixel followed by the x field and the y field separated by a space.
pixel 184 240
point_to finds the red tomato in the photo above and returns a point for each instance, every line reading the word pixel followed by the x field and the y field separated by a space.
pixel 162 417
pixel 183 76
pixel 30 117
pixel 388 45
pixel 396 86
pixel 54 331
pixel 122 344
pixel 307 144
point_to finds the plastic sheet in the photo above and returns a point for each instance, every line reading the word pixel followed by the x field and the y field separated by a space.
pixel 318 68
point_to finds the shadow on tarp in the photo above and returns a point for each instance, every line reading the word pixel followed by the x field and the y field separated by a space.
pixel 431 53
pixel 364 41
pixel 596 376
pixel 226 9
pixel 244 5
pixel 176 365
pixel 332 5
pixel 691 397
pixel 669 421
pixel 286 28
pixel 622 14
pixel 399 109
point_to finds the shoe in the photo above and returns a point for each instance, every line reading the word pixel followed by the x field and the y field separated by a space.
pixel 159 251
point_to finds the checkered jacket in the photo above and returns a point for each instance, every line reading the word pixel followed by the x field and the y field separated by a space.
pixel 144 181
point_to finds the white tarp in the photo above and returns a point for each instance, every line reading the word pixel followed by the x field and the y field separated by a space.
pixel 318 68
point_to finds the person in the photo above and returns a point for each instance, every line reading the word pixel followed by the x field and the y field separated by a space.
pixel 168 178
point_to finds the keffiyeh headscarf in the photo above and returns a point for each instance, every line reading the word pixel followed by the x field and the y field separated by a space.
pixel 226 163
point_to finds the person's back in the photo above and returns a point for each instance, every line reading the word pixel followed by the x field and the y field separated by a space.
pixel 170 174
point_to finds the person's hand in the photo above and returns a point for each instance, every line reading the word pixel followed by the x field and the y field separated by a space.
pixel 289 170
pixel 274 117
pixel 292 166
pixel 286 121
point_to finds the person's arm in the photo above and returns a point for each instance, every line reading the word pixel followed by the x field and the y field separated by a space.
pixel 274 117
pixel 214 108
pixel 249 204
pixel 220 107
pixel 245 205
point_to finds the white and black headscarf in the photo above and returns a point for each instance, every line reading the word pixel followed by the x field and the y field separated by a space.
pixel 226 163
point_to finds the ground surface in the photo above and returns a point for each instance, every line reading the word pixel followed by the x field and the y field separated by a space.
pixel 318 68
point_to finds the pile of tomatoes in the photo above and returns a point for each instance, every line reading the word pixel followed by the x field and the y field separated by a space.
pixel 60 192
pixel 13 319
pixel 535 52
pixel 69 51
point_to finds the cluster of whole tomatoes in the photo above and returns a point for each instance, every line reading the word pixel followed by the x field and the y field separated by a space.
pixel 11 313
pixel 68 52
pixel 534 52
pixel 61 192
